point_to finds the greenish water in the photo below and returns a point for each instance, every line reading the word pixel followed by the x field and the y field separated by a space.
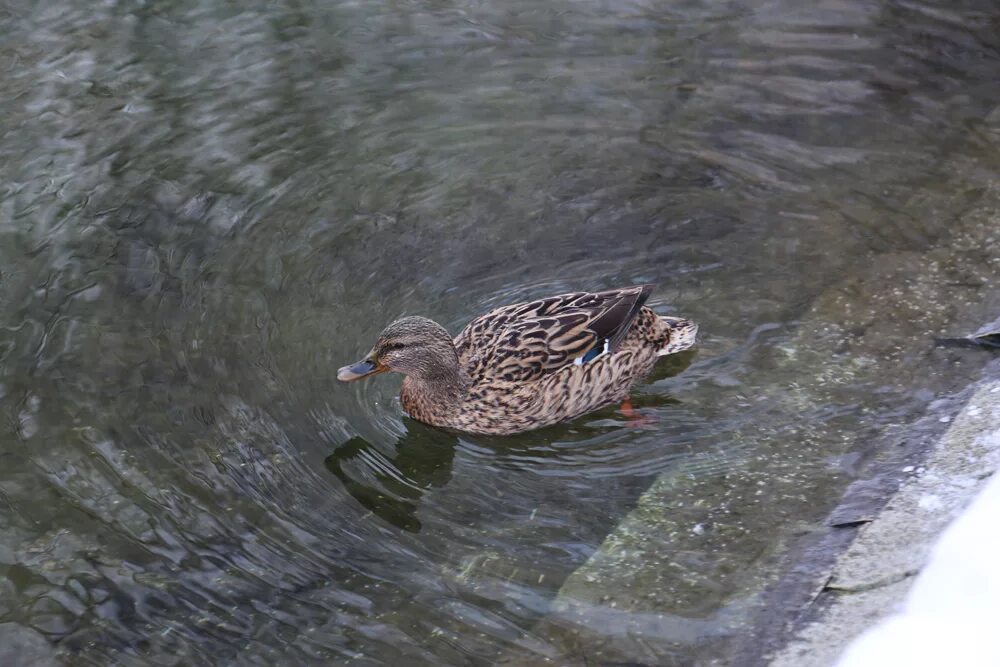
pixel 208 207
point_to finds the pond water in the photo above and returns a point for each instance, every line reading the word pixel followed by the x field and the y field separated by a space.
pixel 207 207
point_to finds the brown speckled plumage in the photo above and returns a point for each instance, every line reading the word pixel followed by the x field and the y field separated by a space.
pixel 519 367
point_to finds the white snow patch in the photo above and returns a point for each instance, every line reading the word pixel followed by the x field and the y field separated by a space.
pixel 950 616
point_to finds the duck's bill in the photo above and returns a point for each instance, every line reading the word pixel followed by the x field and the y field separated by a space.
pixel 362 369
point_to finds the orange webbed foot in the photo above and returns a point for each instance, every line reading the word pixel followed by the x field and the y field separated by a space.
pixel 633 417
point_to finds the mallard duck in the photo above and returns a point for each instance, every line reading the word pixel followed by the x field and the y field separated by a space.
pixel 526 365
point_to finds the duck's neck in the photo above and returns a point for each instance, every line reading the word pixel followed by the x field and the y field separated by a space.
pixel 445 381
pixel 436 385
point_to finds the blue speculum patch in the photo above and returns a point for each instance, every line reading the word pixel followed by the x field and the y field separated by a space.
pixel 593 353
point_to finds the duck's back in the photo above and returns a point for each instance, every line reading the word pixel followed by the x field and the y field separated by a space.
pixel 524 342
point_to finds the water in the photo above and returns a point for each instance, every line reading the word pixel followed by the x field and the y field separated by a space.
pixel 207 207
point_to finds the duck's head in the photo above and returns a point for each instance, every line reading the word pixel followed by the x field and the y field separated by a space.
pixel 414 346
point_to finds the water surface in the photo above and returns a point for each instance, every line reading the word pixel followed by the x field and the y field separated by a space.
pixel 208 207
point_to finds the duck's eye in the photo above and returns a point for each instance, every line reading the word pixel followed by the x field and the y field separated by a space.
pixel 393 346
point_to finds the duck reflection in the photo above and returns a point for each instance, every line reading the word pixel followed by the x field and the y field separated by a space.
pixel 391 485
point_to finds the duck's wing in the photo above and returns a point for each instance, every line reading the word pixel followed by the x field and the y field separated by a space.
pixel 524 341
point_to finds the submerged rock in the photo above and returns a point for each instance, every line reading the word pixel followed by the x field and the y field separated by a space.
pixel 21 645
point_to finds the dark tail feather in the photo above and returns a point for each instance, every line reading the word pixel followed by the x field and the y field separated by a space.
pixel 613 324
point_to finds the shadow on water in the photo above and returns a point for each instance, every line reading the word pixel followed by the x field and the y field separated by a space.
pixel 391 485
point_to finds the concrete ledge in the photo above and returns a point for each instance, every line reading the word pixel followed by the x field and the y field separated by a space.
pixel 871 580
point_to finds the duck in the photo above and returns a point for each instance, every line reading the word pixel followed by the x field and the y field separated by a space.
pixel 526 365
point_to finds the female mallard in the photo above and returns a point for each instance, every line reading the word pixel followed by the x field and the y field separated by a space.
pixel 526 365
